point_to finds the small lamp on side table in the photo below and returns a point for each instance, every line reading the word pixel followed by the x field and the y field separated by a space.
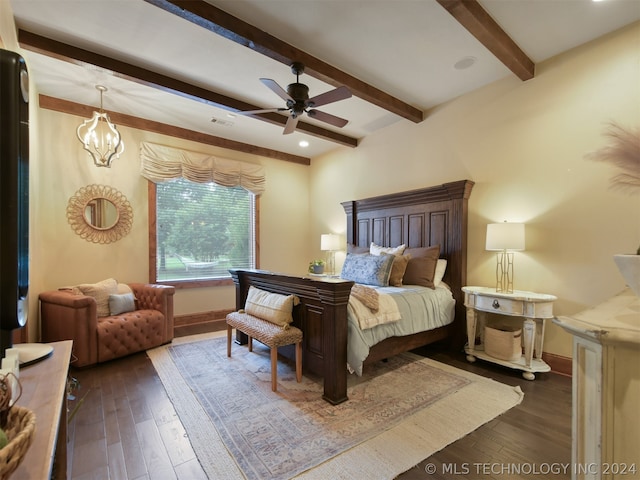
pixel 505 238
pixel 330 242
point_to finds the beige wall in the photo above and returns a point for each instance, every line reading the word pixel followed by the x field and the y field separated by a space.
pixel 523 144
pixel 60 257
pixel 59 167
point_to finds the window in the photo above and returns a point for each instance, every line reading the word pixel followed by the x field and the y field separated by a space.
pixel 201 230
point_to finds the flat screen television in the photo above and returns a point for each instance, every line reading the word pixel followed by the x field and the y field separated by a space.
pixel 14 195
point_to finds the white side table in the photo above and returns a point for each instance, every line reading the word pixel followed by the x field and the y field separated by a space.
pixel 530 308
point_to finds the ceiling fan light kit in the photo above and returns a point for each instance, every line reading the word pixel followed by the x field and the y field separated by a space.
pixel 297 101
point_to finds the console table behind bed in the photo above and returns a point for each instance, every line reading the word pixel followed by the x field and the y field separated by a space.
pixel 417 218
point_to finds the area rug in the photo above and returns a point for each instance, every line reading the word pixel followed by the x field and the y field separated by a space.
pixel 399 413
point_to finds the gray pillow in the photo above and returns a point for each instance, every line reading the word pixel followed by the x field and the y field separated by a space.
pixel 121 303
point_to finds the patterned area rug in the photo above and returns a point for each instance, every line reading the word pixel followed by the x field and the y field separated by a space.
pixel 239 428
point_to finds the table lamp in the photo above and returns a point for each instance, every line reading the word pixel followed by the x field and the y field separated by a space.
pixel 330 242
pixel 505 238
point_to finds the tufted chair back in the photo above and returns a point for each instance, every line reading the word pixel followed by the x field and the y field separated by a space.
pixel 68 315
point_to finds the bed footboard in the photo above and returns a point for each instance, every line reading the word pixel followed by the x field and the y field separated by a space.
pixel 322 317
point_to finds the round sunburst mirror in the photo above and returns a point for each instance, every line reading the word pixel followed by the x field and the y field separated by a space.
pixel 100 214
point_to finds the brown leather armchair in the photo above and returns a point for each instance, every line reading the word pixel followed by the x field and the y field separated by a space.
pixel 66 315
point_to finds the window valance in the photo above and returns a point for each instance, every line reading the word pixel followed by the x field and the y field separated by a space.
pixel 160 163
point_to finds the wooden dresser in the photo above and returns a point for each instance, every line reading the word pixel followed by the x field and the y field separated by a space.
pixel 44 388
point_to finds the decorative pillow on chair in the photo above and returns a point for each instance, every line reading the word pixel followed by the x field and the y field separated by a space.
pixel 121 303
pixel 273 307
pixel 421 268
pixel 100 291
pixel 368 269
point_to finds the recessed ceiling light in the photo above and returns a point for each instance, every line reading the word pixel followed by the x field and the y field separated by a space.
pixel 464 63
pixel 303 143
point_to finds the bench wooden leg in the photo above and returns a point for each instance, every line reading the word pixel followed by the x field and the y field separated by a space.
pixel 250 343
pixel 299 362
pixel 229 340
pixel 274 368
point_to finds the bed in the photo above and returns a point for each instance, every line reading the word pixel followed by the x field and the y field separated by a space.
pixel 417 218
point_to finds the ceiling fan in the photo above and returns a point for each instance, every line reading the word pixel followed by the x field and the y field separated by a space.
pixel 298 102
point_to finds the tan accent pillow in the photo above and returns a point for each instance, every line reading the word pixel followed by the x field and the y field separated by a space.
pixel 124 288
pixel 378 250
pixel 273 307
pixel 100 292
pixel 398 270
pixel 421 267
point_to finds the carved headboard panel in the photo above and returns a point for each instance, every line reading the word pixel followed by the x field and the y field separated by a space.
pixel 419 218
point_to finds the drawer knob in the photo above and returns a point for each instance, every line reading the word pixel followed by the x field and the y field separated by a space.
pixel 495 304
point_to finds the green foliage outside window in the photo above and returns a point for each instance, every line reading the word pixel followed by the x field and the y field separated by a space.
pixel 203 229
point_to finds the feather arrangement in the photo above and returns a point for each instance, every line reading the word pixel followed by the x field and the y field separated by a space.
pixel 624 153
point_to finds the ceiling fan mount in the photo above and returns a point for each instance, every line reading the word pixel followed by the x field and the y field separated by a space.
pixel 297 101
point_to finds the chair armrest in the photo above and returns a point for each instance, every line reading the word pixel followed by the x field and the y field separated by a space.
pixel 156 297
pixel 68 316
pixel 67 299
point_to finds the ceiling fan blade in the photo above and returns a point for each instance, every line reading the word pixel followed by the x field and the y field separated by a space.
pixel 277 89
pixel 266 110
pixel 327 118
pixel 340 93
pixel 291 124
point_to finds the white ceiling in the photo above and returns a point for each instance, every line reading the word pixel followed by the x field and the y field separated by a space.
pixel 406 48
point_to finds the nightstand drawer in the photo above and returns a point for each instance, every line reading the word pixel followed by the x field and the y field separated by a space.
pixel 500 305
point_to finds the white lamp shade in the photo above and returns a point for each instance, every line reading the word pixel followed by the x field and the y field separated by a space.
pixel 505 236
pixel 329 242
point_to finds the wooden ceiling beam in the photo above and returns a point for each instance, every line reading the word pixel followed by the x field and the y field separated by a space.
pixel 79 56
pixel 471 15
pixel 232 28
pixel 121 119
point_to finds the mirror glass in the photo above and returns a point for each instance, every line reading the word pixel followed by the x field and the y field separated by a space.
pixel 101 213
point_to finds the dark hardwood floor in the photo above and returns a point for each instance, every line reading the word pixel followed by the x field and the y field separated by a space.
pixel 123 426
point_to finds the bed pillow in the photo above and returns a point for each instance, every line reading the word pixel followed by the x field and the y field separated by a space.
pixel 421 267
pixel 367 269
pixel 121 303
pixel 351 248
pixel 378 250
pixel 272 307
pixel 398 269
pixel 441 268
pixel 100 292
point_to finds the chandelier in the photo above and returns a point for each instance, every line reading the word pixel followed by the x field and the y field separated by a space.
pixel 100 137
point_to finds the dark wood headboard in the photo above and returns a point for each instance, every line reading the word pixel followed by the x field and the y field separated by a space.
pixel 419 218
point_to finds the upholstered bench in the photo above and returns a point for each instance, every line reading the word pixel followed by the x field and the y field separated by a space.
pixel 270 334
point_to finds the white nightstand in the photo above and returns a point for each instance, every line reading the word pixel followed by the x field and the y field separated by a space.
pixel 530 308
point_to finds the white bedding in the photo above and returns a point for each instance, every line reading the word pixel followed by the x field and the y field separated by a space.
pixel 421 308
pixel 386 311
